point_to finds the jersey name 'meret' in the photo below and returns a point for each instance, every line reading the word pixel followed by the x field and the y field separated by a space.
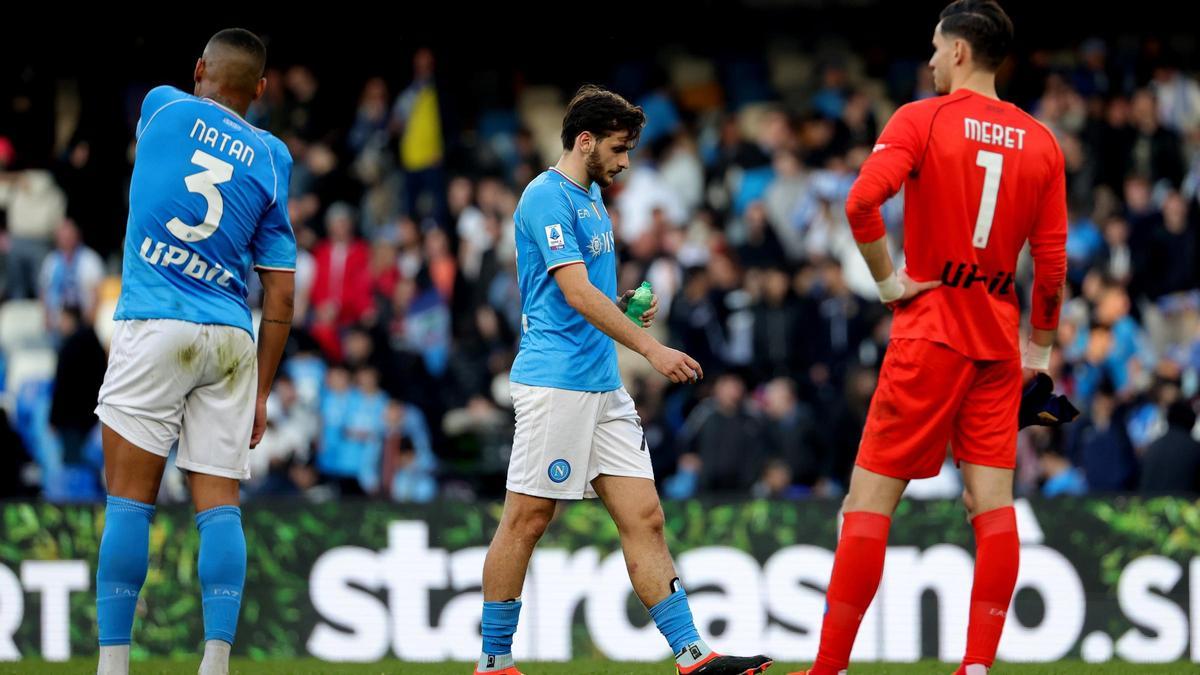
pixel 995 134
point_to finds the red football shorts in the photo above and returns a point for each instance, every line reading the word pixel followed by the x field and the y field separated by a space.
pixel 930 395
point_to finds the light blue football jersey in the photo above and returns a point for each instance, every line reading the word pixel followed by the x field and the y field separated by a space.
pixel 559 222
pixel 208 200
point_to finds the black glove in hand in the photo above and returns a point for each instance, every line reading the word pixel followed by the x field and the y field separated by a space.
pixel 1040 407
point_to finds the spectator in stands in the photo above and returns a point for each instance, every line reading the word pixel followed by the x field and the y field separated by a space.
pixel 777 483
pixel 738 208
pixel 781 327
pixel 1059 476
pixel 1101 445
pixel 405 477
pixel 280 461
pixel 1156 149
pixel 34 205
pixel 336 460
pixel 1172 463
pixel 417 121
pixel 79 374
pixel 790 431
pixel 15 463
pixel 1174 252
pixel 70 277
pixel 341 293
pixel 1177 97
pixel 719 425
pixel 365 426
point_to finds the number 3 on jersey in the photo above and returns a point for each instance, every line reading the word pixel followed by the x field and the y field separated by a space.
pixel 993 164
pixel 205 183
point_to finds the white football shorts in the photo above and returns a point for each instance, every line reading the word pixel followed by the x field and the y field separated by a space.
pixel 196 383
pixel 564 439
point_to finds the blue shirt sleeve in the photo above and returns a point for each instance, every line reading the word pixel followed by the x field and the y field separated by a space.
pixel 274 243
pixel 549 221
pixel 155 100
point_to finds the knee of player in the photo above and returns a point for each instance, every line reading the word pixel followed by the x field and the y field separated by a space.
pixel 653 520
pixel 968 502
pixel 532 523
pixel 648 520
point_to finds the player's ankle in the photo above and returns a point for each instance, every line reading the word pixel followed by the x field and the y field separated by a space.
pixel 216 658
pixel 489 663
pixel 820 668
pixel 694 653
pixel 114 660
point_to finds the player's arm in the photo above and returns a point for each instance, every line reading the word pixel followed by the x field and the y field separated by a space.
pixel 279 289
pixel 546 217
pixel 605 315
pixel 895 157
pixel 1048 245
pixel 273 249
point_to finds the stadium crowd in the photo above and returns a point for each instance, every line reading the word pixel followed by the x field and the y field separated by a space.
pixel 408 314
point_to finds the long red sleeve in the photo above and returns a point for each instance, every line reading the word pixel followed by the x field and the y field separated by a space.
pixel 895 155
pixel 1048 245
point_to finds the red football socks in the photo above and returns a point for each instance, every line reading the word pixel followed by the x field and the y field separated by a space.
pixel 857 568
pixel 997 554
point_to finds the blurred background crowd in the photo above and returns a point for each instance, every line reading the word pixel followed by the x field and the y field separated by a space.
pixel 395 384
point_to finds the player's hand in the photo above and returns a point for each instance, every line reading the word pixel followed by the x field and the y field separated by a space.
pixel 1041 407
pixel 648 315
pixel 913 288
pixel 623 301
pixel 260 422
pixel 675 365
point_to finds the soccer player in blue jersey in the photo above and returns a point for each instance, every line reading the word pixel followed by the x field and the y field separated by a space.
pixel 577 432
pixel 207 201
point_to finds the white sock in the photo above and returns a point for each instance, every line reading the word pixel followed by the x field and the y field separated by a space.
pixel 976 669
pixel 216 658
pixel 114 660
pixel 493 662
pixel 693 653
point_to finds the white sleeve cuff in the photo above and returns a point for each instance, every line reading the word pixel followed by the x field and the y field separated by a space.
pixel 1036 357
pixel 890 289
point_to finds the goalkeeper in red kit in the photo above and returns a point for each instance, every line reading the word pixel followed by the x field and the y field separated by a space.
pixel 980 178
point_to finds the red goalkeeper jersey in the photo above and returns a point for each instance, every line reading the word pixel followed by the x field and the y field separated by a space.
pixel 980 177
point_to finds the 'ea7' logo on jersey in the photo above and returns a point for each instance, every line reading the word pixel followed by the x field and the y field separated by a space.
pixel 583 213
pixel 554 237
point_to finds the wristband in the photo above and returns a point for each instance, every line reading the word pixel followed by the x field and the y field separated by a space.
pixel 890 289
pixel 1036 357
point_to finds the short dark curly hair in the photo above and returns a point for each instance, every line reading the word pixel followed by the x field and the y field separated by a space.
pixel 984 25
pixel 602 113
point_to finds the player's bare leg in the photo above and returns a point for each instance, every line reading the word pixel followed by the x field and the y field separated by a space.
pixel 857 565
pixel 985 488
pixel 635 508
pixel 221 565
pixel 987 495
pixel 873 492
pixel 521 526
pixel 133 476
pixel 129 471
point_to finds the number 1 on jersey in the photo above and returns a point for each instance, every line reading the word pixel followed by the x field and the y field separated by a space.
pixel 993 164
